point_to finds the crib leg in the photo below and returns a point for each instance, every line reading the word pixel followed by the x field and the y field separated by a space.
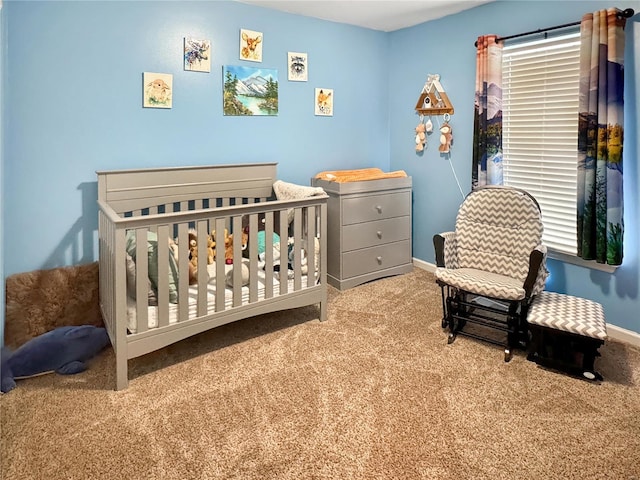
pixel 122 375
pixel 323 311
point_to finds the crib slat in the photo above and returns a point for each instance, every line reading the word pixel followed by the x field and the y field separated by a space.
pixel 284 237
pixel 310 246
pixel 253 258
pixel 142 283
pixel 297 249
pixel 183 269
pixel 237 261
pixel 226 201
pixel 202 233
pixel 164 273
pixel 268 254
pixel 220 276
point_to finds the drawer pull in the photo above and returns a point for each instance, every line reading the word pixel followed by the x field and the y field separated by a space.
pixel 379 208
pixel 379 234
pixel 379 260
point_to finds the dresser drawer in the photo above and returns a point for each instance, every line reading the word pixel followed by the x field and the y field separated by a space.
pixel 366 260
pixel 362 235
pixel 375 207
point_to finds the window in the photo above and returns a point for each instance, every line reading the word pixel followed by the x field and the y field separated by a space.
pixel 540 87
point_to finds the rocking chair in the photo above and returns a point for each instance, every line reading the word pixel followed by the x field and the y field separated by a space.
pixel 492 266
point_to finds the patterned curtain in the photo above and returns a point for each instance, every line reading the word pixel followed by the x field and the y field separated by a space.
pixel 600 133
pixel 487 122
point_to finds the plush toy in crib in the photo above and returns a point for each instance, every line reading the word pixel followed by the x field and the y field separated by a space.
pixel 193 255
pixel 193 249
pixel 63 350
pixel 214 240
pixel 304 261
pixel 228 245
pixel 211 249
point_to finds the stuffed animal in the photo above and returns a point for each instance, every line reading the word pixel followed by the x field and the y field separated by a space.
pixel 211 249
pixel 63 350
pixel 193 249
pixel 214 243
pixel 421 137
pixel 446 138
pixel 228 246
pixel 193 255
pixel 244 272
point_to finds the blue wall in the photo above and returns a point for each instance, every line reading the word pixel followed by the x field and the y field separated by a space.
pixel 74 106
pixel 3 71
pixel 73 95
pixel 446 47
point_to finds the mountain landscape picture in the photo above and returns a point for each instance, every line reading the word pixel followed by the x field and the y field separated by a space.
pixel 250 90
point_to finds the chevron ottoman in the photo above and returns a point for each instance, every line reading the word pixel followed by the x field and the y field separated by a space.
pixel 566 333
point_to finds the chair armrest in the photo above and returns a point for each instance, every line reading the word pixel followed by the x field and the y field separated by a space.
pixel 538 273
pixel 446 248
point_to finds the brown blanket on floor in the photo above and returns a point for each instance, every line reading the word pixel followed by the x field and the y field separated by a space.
pixel 39 301
pixel 359 175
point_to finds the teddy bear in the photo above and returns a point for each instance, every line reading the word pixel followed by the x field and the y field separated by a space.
pixel 421 137
pixel 193 249
pixel 446 138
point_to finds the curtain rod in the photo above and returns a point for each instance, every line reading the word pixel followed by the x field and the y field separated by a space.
pixel 624 14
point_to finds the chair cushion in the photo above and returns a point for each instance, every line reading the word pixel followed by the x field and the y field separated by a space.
pixel 481 282
pixel 496 230
pixel 569 314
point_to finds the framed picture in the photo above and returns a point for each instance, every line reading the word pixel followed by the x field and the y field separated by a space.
pixel 157 90
pixel 250 45
pixel 324 102
pixel 297 66
pixel 249 90
pixel 197 55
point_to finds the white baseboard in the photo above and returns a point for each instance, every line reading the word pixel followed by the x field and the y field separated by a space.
pixel 429 267
pixel 623 335
pixel 614 332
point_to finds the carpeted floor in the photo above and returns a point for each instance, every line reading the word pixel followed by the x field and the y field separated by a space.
pixel 373 393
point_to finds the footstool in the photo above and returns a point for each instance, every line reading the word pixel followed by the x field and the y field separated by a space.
pixel 566 333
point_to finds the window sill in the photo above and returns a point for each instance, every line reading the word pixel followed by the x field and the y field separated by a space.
pixel 565 257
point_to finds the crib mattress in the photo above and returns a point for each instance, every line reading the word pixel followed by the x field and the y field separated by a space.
pixel 132 322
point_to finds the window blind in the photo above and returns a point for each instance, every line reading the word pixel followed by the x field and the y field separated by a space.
pixel 540 86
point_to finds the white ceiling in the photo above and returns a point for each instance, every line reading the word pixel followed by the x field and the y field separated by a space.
pixel 385 15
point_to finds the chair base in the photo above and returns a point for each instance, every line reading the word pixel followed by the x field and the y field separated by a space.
pixel 486 319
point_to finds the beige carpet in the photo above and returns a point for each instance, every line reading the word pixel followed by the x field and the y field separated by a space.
pixel 373 393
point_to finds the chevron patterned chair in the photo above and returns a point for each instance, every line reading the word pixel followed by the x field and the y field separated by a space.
pixel 492 266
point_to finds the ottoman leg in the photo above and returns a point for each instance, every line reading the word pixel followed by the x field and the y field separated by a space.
pixel 590 353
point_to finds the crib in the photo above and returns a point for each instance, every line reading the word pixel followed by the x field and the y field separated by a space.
pixel 147 214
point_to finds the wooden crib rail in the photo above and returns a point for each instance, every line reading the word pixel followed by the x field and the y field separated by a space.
pixel 128 190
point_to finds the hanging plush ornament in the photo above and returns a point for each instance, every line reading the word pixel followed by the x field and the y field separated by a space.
pixel 446 135
pixel 429 125
pixel 421 136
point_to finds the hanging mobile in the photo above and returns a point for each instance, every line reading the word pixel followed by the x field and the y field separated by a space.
pixel 446 135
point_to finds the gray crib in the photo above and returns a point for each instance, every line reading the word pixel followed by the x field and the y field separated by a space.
pixel 142 211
